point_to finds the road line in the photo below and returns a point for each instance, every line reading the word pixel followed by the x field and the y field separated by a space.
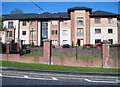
pixel 102 81
pixel 26 77
pixel 54 78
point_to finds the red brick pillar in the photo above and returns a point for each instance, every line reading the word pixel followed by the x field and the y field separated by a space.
pixel 19 45
pixel 105 54
pixel 47 51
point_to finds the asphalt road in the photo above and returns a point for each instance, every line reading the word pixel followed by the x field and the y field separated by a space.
pixel 15 78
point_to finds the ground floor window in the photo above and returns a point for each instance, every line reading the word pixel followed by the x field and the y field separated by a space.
pixel 97 41
pixel 64 41
pixel 54 42
pixel 111 41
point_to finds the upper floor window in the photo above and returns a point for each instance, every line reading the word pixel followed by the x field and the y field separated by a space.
pixel 64 32
pixel 80 32
pixel 33 23
pixel 32 32
pixel 110 30
pixel 24 23
pixel 97 31
pixel 10 25
pixel 23 32
pixel 80 21
pixel 97 20
pixel 54 22
pixel 44 24
pixel 54 32
pixel 109 20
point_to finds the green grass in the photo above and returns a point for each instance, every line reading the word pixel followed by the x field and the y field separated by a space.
pixel 87 57
pixel 33 55
pixel 56 67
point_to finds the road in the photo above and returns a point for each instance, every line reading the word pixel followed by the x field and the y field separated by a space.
pixel 10 77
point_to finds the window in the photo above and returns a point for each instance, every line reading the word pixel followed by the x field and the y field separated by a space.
pixel 33 23
pixel 109 20
pixel 54 42
pixel 23 32
pixel 110 30
pixel 45 29
pixel 64 32
pixel 79 21
pixel 10 34
pixel 80 32
pixel 54 22
pixel 10 25
pixel 97 31
pixel 64 22
pixel 54 32
pixel 64 41
pixel 24 23
pixel 32 32
pixel 97 20
pixel 97 40
pixel 111 41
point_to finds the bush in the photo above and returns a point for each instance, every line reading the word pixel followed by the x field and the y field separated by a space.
pixel 115 45
pixel 32 44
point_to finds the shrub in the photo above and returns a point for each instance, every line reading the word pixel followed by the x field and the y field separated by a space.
pixel 115 45
pixel 32 44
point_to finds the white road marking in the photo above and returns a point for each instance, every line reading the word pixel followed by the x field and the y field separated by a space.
pixel 116 81
pixel 0 74
pixel 54 78
pixel 26 77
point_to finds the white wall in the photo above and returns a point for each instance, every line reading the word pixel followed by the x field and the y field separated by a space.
pixel 65 37
pixel 104 34
pixel 25 37
pixel 15 24
pixel 39 33
pixel 2 36
pixel 49 30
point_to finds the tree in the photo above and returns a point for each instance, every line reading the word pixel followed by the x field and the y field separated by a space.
pixel 1 26
pixel 16 11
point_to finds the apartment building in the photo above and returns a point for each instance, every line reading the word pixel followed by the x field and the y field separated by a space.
pixel 79 25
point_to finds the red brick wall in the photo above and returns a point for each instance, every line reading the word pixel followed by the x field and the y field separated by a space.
pixel 61 61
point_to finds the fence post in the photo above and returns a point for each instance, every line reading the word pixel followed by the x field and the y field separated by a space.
pixel 105 53
pixel 47 51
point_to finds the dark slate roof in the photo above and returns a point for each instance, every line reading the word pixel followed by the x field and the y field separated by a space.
pixel 61 15
pixel 45 15
pixel 20 16
pixel 79 8
pixel 100 13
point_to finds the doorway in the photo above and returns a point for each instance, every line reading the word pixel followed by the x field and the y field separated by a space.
pixel 80 42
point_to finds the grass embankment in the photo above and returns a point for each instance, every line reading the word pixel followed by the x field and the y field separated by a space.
pixel 56 67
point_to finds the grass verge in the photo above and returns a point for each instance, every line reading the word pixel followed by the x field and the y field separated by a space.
pixel 33 55
pixel 57 67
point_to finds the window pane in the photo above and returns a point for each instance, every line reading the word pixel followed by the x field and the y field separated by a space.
pixel 110 30
pixel 97 31
pixel 109 20
pixel 79 21
pixel 97 40
pixel 97 20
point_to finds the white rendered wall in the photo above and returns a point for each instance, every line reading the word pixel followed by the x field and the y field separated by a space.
pixel 104 34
